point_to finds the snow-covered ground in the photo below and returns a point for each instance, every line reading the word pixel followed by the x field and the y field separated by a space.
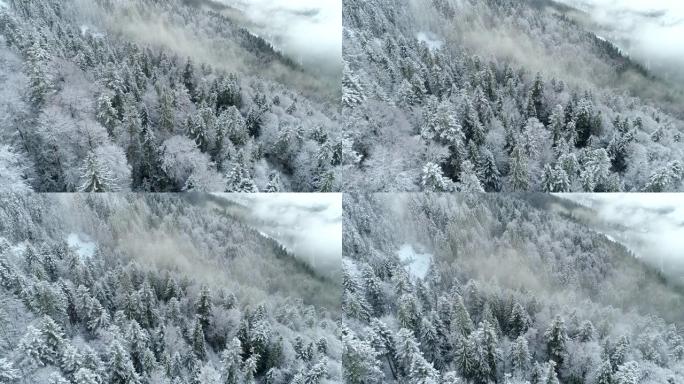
pixel 85 30
pixel 18 249
pixel 82 245
pixel 430 39
pixel 416 264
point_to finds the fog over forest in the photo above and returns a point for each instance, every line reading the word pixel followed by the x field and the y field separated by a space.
pixel 159 289
pixel 506 288
pixel 652 225
pixel 649 31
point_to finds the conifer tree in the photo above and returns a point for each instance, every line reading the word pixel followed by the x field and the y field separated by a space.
pixel 95 176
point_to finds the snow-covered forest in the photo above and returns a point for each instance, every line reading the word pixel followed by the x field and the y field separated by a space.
pixel 158 96
pixel 501 95
pixel 495 288
pixel 157 288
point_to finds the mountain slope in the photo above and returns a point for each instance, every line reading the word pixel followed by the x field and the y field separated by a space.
pixel 158 96
pixel 171 293
pixel 512 290
pixel 502 96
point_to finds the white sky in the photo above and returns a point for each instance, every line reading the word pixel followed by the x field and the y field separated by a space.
pixel 654 29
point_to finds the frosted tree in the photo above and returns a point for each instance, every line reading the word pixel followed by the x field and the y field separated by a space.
pixel 618 355
pixel 406 349
pixel 664 178
pixel 533 137
pixel 422 372
pixel 408 313
pixel 488 172
pixel 469 181
pixel 429 340
pixel 230 360
pixel 8 374
pixel 491 353
pixel 204 307
pixel 519 174
pixel 433 180
pixel 384 343
pixel 56 378
pixel 274 184
pixel 86 376
pixel 519 321
pixel 352 91
pixel 197 130
pixel 198 346
pixel 349 155
pixel 316 374
pixel 604 374
pixel 595 173
pixel 556 338
pixel 167 118
pixel 472 127
pixel 520 357
pixel 119 366
pixel 586 122
pixel 37 59
pixel 466 356
pixel 249 368
pixel 554 179
pixel 106 114
pixel 586 332
pixel 550 377
pixel 95 176
pixel 537 97
pixel 239 180
pixel 557 124
pixel 461 321
pixel 70 360
pixel 14 169
pixel 451 377
pixel 537 374
pixel 32 346
pixel 627 373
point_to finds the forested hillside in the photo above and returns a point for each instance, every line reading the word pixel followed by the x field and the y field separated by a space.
pixel 501 95
pixel 155 289
pixel 157 96
pixel 478 288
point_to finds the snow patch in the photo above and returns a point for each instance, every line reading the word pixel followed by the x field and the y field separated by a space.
pixel 3 4
pixel 18 249
pixel 82 245
pixel 85 30
pixel 416 264
pixel 430 39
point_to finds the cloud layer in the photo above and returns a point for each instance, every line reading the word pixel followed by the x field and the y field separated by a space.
pixel 652 225
pixel 651 31
pixel 310 31
pixel 308 225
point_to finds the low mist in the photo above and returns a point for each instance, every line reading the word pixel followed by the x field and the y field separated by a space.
pixel 650 31
pixel 309 31
pixel 651 225
pixel 303 34
pixel 308 225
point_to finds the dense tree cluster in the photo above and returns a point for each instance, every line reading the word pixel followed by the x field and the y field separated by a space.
pixel 94 110
pixel 514 294
pixel 112 317
pixel 502 96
